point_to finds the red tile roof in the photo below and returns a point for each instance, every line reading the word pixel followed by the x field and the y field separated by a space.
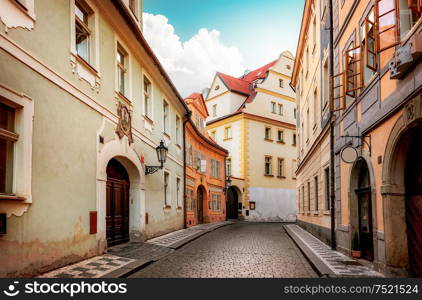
pixel 259 73
pixel 243 84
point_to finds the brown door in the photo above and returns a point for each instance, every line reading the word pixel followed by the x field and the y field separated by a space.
pixel 200 210
pixel 414 206
pixel 117 219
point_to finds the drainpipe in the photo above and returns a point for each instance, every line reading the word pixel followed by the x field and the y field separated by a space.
pixel 332 124
pixel 187 116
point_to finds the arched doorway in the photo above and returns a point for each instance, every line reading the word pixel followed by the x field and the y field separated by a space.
pixel 413 186
pixel 362 207
pixel 401 194
pixel 200 197
pixel 232 203
pixel 117 209
pixel 364 212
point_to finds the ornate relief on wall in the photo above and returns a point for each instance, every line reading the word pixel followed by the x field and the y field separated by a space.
pixel 124 127
pixel 16 14
pixel 412 110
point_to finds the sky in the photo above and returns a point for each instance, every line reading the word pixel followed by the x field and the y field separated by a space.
pixel 194 39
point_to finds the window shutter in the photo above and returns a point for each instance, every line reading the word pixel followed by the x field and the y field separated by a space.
pixel 353 70
pixel 370 39
pixel 387 24
pixel 337 99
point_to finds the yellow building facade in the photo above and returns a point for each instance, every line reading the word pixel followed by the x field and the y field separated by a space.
pixel 253 117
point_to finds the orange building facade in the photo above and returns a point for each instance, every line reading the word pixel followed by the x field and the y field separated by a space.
pixel 205 169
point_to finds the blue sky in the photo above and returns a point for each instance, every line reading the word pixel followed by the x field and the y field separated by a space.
pixel 259 30
pixel 241 23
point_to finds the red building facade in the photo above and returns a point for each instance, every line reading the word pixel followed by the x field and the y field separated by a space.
pixel 205 169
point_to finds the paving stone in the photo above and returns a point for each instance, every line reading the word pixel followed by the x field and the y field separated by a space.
pixel 241 250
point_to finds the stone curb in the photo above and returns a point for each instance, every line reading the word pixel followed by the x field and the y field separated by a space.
pixel 140 263
pixel 322 269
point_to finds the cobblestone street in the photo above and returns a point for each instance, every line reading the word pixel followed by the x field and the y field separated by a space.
pixel 243 250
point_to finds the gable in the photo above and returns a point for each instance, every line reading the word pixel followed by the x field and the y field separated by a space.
pixel 214 91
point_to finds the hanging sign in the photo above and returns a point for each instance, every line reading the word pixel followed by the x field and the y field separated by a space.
pixel 349 154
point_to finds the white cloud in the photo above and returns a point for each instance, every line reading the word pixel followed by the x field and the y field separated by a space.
pixel 192 64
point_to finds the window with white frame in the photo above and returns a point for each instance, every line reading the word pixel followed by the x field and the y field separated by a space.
pixel 268 165
pixel 217 169
pixel 273 107
pixel 83 30
pixel 227 133
pixel 178 189
pixel 122 70
pixel 178 130
pixel 280 109
pixel 229 166
pixel 280 136
pixel 215 203
pixel 166 189
pixel 281 167
pixel 8 138
pixel 165 117
pixel 147 97
pixel 214 110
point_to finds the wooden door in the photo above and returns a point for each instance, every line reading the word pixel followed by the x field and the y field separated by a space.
pixel 117 194
pixel 414 205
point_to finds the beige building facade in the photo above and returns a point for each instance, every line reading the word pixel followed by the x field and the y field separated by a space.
pixel 311 81
pixel 253 117
pixel 81 123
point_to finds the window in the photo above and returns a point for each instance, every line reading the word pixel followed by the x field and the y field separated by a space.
pixel 190 201
pixel 213 135
pixel 217 169
pixel 307 125
pixel 165 117
pixel 215 203
pixel 368 42
pixel 327 188
pixel 189 155
pixel 227 133
pixel 121 70
pixel 212 168
pixel 178 192
pixel 298 200
pixel 280 136
pixel 214 110
pixel 229 167
pixel 178 131
pixel 268 166
pixel 273 107
pixel 307 62
pixel 410 12
pixel 326 84
pixel 82 31
pixel 281 83
pixel 8 138
pixel 280 109
pixel 166 189
pixel 288 67
pixel 268 133
pixel 147 97
pixel 309 196
pixel 303 198
pixel 294 113
pixel 353 71
pixel 281 167
pixel 316 194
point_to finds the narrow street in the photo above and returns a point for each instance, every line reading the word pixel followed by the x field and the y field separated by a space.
pixel 245 250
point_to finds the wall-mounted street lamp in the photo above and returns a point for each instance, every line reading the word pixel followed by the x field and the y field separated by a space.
pixel 227 183
pixel 161 155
